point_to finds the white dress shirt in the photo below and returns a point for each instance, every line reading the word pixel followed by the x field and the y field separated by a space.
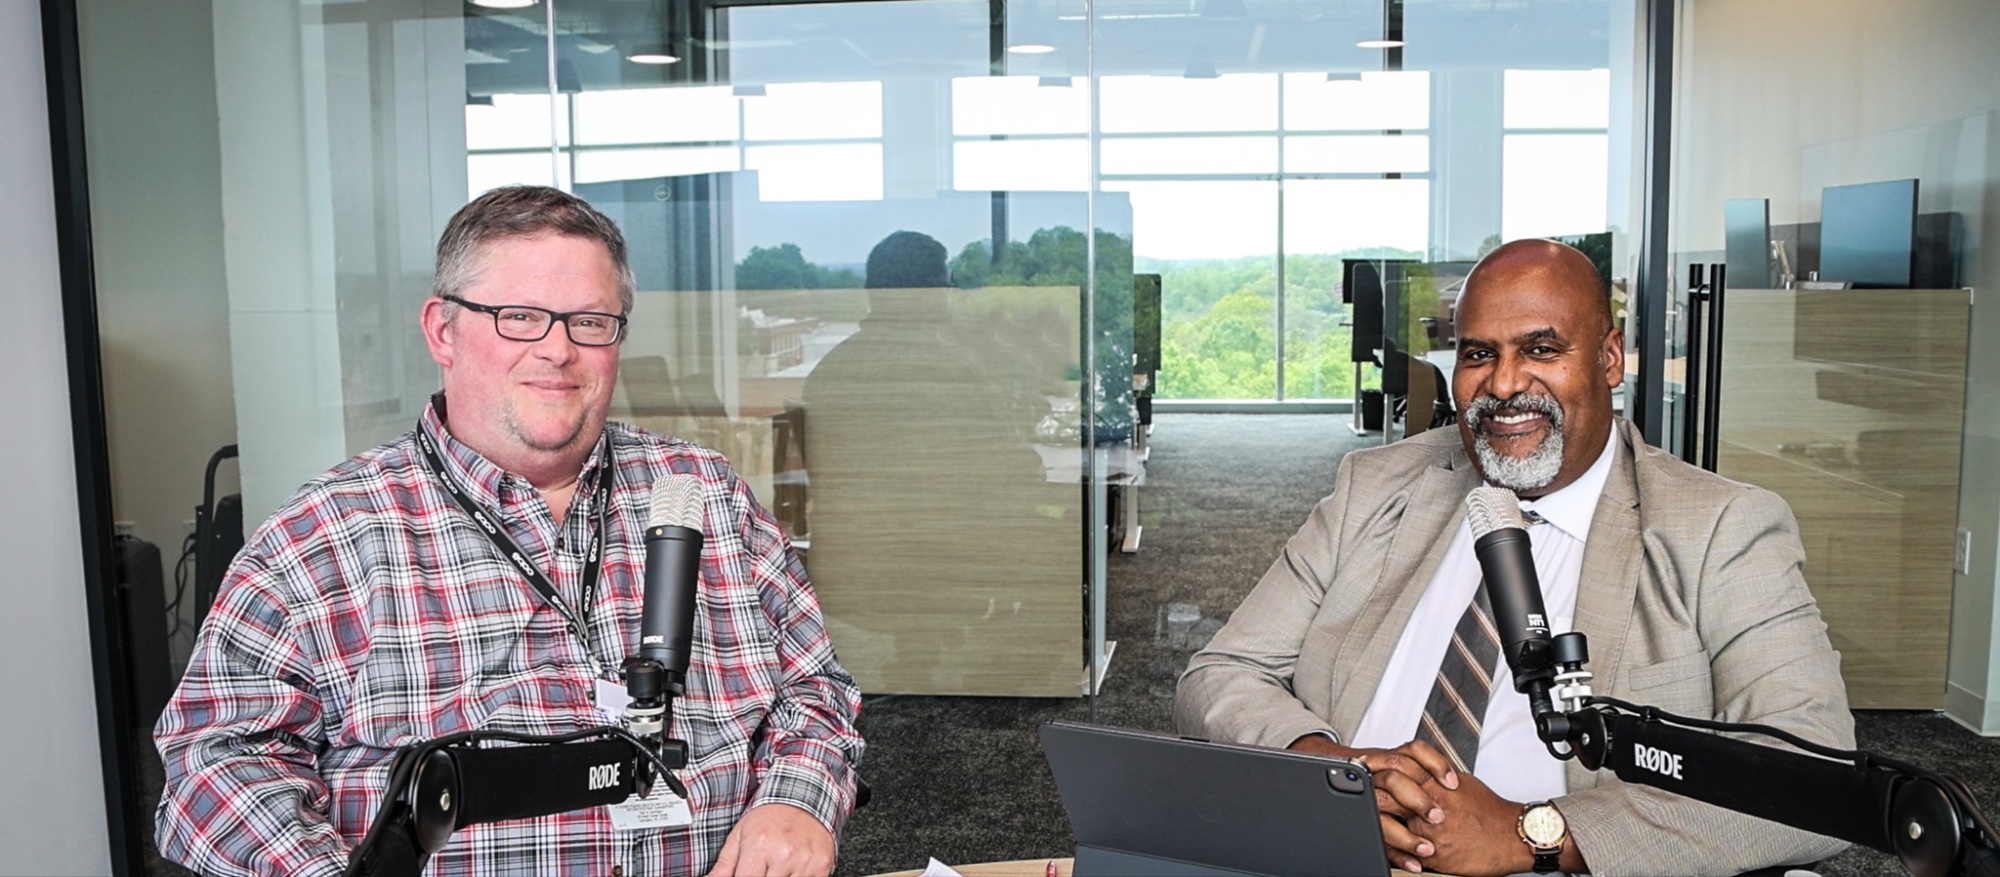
pixel 1512 760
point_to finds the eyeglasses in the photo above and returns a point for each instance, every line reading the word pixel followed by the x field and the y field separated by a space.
pixel 526 323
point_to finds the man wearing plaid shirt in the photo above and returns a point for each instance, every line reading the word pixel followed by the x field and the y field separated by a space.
pixel 371 611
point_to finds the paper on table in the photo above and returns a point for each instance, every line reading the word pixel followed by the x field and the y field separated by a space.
pixel 939 869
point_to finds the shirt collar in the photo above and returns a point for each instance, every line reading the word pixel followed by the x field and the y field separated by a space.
pixel 480 477
pixel 1572 508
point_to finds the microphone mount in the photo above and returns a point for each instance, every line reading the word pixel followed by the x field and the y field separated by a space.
pixel 439 786
pixel 1929 821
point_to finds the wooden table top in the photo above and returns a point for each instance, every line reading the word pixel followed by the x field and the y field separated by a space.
pixel 1030 868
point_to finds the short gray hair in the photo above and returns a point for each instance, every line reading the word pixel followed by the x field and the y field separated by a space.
pixel 523 211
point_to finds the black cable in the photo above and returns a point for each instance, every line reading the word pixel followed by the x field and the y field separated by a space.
pixel 1650 713
pixel 181 566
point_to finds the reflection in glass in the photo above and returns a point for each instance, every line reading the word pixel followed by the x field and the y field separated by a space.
pixel 1145 104
pixel 1358 154
pixel 1557 98
pixel 1378 101
pixel 1188 155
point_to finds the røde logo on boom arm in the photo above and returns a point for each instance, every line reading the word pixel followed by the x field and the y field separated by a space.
pixel 1658 761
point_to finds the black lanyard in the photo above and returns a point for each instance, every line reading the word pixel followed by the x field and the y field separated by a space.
pixel 593 562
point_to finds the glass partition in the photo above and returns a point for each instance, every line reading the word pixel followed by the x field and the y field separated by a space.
pixel 900 261
pixel 1841 389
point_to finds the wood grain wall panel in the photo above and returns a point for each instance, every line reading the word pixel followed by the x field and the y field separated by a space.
pixel 1849 404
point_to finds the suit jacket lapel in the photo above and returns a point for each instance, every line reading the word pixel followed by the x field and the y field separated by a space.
pixel 1433 512
pixel 1610 578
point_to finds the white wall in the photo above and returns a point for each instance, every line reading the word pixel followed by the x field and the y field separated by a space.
pixel 1780 98
pixel 51 789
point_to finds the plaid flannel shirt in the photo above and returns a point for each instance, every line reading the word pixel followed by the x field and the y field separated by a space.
pixel 370 612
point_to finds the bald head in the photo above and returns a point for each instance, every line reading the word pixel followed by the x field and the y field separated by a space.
pixel 1537 359
pixel 1555 270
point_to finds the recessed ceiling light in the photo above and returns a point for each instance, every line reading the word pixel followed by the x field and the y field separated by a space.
pixel 1031 48
pixel 1380 44
pixel 504 4
pixel 652 58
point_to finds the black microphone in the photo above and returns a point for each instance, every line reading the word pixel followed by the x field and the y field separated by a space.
pixel 673 561
pixel 1507 559
pixel 666 622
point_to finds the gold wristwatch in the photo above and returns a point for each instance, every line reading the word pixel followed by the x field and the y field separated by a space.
pixel 1544 830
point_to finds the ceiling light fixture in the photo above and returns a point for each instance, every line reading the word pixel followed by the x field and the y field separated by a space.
pixel 654 58
pixel 504 4
pixel 1380 44
pixel 1031 47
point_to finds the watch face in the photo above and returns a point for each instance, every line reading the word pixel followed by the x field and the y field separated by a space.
pixel 1543 825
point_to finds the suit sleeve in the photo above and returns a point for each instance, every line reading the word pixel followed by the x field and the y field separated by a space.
pixel 1769 663
pixel 1239 687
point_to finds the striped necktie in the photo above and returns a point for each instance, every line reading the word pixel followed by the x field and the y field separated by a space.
pixel 1457 704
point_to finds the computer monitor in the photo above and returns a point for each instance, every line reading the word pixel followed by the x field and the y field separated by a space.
pixel 1867 233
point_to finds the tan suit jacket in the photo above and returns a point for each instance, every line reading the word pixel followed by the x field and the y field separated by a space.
pixel 1692 596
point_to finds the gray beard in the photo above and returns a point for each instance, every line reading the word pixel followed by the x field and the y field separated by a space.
pixel 1533 472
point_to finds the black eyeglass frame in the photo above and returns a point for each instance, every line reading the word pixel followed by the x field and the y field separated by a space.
pixel 554 318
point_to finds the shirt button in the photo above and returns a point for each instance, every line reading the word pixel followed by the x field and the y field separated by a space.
pixel 561 543
pixel 617 871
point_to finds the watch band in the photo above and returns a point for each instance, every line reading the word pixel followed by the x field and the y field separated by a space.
pixel 1548 861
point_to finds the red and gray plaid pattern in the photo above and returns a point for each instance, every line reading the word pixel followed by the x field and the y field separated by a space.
pixel 371 612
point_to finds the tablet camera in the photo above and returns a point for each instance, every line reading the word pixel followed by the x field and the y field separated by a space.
pixel 1347 778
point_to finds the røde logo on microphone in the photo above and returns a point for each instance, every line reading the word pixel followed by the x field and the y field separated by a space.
pixel 1658 761
pixel 603 776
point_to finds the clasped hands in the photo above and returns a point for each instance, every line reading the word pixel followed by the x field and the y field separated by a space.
pixel 1433 817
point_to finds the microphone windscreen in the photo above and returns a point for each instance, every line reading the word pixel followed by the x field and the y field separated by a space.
pixel 1490 508
pixel 676 502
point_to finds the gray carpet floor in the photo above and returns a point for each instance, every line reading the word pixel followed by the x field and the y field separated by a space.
pixel 963 779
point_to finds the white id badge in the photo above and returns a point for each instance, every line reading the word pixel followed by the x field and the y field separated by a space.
pixel 663 809
pixel 611 701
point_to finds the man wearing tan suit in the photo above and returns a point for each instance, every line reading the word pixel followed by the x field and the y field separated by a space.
pixel 1688 585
